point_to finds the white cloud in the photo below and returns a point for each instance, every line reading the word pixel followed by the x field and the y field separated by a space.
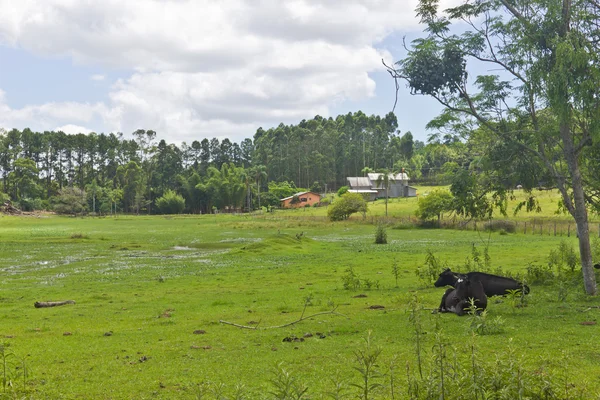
pixel 72 129
pixel 202 68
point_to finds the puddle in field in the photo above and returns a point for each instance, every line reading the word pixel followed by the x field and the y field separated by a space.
pixel 241 240
pixel 182 248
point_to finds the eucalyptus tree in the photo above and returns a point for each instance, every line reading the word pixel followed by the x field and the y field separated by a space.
pixel 24 179
pixel 545 56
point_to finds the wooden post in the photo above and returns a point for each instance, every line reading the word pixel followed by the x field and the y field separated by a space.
pixel 569 230
pixel 533 227
pixel 554 228
pixel 525 228
pixel 541 228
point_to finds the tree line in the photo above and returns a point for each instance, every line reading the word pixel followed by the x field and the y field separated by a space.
pixel 129 174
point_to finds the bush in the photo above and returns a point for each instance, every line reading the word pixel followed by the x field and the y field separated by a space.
pixel 343 190
pixel 28 204
pixel 434 205
pixel 500 226
pixel 70 200
pixel 347 205
pixel 170 203
pixel 380 234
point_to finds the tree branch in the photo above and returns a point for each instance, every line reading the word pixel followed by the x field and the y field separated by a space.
pixel 332 312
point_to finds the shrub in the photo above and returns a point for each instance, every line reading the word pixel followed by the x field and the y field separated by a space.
pixel 434 205
pixel 500 226
pixel 28 204
pixel 170 203
pixel 347 205
pixel 380 234
pixel 432 269
pixel 343 190
pixel 70 200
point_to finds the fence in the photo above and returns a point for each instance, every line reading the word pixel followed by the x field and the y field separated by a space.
pixel 533 226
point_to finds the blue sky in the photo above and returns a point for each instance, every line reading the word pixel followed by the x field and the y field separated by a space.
pixel 196 69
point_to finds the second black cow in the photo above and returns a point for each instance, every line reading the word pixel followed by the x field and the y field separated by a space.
pixel 460 299
pixel 493 285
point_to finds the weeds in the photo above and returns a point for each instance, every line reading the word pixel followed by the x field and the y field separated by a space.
pixel 396 271
pixel 14 372
pixel 429 272
pixel 480 323
pixel 286 385
pixel 350 280
pixel 368 369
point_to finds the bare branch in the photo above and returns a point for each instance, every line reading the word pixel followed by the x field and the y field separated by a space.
pixel 332 312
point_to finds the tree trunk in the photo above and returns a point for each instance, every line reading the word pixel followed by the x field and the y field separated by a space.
pixel 579 211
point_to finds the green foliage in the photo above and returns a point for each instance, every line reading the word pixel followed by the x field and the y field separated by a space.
pixel 170 203
pixel 351 280
pixel 368 369
pixel 543 87
pixel 481 323
pixel 380 234
pixel 434 205
pixel 343 190
pixel 71 201
pixel 28 204
pixel 347 205
pixel 283 189
pixel 316 187
pixel 432 269
pixel 286 385
pixel 14 373
pixel 539 274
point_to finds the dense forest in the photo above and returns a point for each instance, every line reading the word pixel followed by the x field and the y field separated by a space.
pixel 128 175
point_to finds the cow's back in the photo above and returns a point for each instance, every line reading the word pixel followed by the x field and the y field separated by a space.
pixel 495 285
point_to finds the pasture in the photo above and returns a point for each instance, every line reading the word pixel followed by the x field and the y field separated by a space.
pixel 150 293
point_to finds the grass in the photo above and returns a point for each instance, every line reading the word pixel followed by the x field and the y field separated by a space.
pixel 146 287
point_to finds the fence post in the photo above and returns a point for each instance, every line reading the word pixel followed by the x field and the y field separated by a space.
pixel 554 228
pixel 569 230
pixel 533 227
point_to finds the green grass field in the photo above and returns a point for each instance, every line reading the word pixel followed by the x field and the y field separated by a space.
pixel 150 292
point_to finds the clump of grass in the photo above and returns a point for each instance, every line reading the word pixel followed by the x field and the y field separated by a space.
pixel 13 373
pixel 79 236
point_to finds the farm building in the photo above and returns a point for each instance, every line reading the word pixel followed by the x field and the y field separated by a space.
pixel 304 199
pixel 367 185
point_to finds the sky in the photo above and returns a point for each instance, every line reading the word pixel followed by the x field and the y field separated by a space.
pixel 202 68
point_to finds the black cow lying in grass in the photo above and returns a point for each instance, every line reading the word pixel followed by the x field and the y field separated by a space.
pixel 458 299
pixel 493 285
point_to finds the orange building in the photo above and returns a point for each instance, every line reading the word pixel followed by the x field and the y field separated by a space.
pixel 303 198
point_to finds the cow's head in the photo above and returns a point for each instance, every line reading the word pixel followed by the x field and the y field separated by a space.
pixel 446 278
